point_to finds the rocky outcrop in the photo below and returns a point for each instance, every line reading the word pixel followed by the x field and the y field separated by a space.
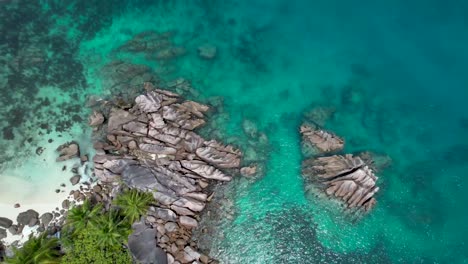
pixel 345 177
pixel 319 140
pixel 152 146
pixel 68 150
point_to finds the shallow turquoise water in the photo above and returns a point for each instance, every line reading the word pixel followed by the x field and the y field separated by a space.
pixel 394 73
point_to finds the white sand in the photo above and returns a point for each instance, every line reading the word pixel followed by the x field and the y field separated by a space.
pixel 32 184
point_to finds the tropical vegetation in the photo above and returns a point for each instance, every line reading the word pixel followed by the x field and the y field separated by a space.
pixel 37 250
pixel 90 234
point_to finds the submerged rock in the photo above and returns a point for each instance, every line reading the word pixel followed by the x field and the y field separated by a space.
pixel 207 51
pixel 30 217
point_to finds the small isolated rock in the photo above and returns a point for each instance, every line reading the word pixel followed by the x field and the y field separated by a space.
pixel 17 205
pixel 96 119
pixel 207 51
pixel 39 150
pixel 68 150
pixel 75 179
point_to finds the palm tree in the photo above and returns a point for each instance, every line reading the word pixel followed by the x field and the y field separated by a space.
pixel 79 216
pixel 134 204
pixel 110 229
pixel 37 250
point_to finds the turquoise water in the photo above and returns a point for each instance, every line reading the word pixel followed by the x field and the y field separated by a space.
pixel 392 71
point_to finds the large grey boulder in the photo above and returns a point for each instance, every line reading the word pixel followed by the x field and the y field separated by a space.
pixel 27 218
pixel 142 244
pixel 5 222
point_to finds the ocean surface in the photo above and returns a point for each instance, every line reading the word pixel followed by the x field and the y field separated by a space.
pixel 392 73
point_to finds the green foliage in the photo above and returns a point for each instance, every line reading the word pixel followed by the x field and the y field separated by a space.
pixel 85 251
pixel 134 204
pixel 110 229
pixel 37 250
pixel 80 216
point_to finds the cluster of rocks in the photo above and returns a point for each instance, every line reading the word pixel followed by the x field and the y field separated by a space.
pixel 152 146
pixel 28 218
pixel 346 177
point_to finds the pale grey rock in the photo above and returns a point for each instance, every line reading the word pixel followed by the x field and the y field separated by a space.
pixel 192 142
pixel 136 127
pixel 205 170
pixel 46 218
pixel 181 210
pixel 190 254
pixel 191 204
pixel 118 165
pixel 171 227
pixel 219 155
pixel 197 196
pixel 188 222
pixel 106 176
pixel 158 149
pixel 161 213
pixel 157 121
pixel 149 103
